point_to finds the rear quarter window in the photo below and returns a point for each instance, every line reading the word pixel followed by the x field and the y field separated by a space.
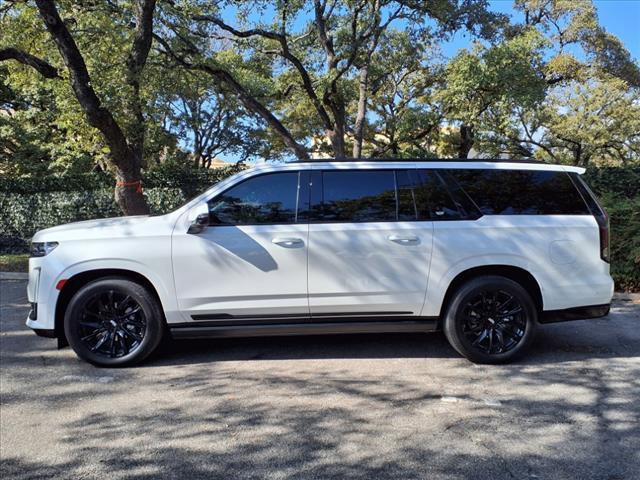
pixel 521 192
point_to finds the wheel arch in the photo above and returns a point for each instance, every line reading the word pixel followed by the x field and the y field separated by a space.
pixel 77 281
pixel 517 274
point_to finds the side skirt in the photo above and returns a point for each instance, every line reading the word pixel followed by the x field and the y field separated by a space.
pixel 197 330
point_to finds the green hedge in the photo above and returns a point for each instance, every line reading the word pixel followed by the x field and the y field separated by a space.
pixel 24 214
pixel 190 181
pixel 28 205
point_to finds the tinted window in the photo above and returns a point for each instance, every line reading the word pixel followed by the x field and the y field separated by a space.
pixel 264 199
pixel 432 198
pixel 523 192
pixel 357 196
pixel 406 187
pixel 588 196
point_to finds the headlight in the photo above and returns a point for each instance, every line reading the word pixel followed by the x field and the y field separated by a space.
pixel 40 249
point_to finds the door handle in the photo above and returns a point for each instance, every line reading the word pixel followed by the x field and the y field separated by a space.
pixel 404 239
pixel 287 241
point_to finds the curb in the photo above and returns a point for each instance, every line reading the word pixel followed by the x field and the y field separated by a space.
pixel 14 276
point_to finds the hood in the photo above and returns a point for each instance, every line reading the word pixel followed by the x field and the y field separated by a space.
pixel 101 228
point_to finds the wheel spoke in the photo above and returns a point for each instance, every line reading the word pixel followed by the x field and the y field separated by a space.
pixel 504 304
pixel 510 313
pixel 135 310
pixel 100 342
pixel 134 322
pixel 131 334
pixel 480 338
pixel 500 340
pixel 122 305
pixel 123 342
pixel 92 334
pixel 94 325
pixel 112 344
pixel 512 335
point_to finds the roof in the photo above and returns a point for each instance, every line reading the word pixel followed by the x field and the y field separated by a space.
pixel 421 160
pixel 506 164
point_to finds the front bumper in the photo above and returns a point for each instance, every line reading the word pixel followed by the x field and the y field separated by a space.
pixel 576 313
pixel 45 332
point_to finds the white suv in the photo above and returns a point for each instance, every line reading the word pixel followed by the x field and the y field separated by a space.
pixel 484 250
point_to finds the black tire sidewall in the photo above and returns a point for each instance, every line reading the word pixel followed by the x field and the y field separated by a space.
pixel 149 304
pixel 453 326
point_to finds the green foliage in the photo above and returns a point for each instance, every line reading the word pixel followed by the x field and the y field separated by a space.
pixel 624 216
pixel 167 175
pixel 619 191
pixel 495 77
pixel 14 262
pixel 24 214
pixel 29 205
pixel 614 182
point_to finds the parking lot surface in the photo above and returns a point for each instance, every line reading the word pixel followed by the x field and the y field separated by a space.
pixel 360 406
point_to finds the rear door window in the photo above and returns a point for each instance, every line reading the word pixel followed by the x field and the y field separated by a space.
pixel 520 192
pixel 357 196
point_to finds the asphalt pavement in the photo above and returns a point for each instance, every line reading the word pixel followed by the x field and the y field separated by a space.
pixel 357 406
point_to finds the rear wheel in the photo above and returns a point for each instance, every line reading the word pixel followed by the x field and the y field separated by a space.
pixel 491 319
pixel 113 322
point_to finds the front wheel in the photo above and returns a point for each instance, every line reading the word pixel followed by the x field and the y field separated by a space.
pixel 113 322
pixel 490 319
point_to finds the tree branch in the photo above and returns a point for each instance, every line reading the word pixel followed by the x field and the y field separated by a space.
pixel 246 98
pixel 98 116
pixel 44 68
pixel 286 53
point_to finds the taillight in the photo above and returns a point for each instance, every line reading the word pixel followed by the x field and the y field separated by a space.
pixel 603 227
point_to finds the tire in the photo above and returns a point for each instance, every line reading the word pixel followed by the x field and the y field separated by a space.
pixel 472 330
pixel 114 322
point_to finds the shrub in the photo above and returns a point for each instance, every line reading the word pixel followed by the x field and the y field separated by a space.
pixel 625 240
pixel 25 214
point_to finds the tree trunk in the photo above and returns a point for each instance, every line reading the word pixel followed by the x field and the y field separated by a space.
pixel 126 160
pixel 128 192
pixel 336 137
pixel 466 140
pixel 358 134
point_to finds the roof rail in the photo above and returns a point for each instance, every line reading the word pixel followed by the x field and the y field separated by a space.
pixel 356 160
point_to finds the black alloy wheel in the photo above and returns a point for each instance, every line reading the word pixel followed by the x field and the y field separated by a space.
pixel 114 322
pixel 491 319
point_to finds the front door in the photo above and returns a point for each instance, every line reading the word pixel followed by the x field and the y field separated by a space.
pixel 250 263
pixel 369 253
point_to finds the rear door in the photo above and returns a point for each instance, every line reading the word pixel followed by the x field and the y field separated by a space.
pixel 369 252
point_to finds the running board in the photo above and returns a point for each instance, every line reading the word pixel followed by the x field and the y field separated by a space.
pixel 193 330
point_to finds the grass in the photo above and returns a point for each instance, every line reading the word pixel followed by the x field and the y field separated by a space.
pixel 14 262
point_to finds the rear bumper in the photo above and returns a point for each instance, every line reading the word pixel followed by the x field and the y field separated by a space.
pixel 576 313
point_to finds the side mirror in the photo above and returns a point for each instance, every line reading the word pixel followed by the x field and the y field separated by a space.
pixel 199 224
